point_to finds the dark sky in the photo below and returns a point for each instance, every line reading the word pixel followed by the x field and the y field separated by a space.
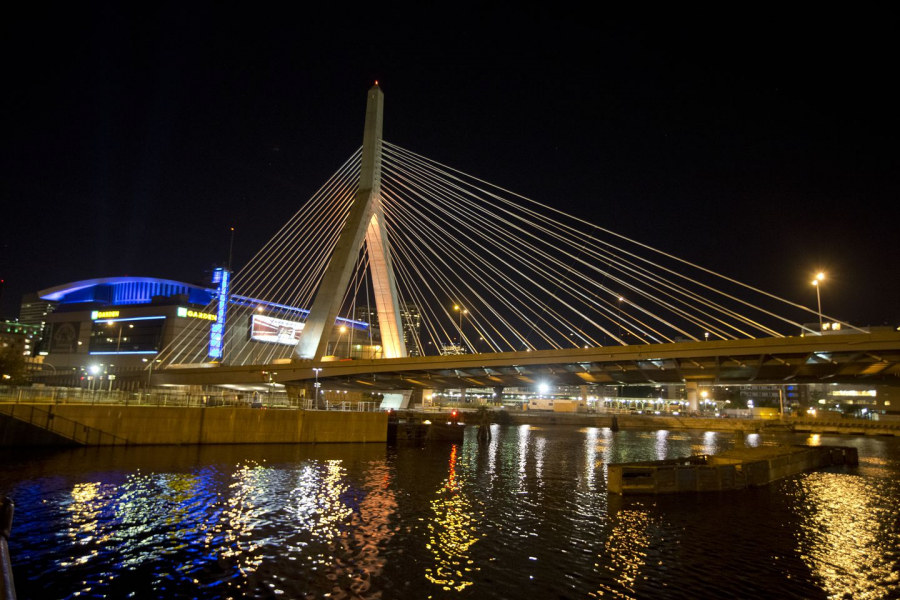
pixel 765 147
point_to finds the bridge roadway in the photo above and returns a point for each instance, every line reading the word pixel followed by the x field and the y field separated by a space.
pixel 851 358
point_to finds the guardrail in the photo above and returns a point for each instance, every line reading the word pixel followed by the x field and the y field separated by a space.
pixel 143 398
pixel 60 396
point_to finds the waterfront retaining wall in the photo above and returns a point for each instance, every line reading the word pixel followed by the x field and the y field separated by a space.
pixel 141 425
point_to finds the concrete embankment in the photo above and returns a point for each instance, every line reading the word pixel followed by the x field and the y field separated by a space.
pixel 648 422
pixel 143 425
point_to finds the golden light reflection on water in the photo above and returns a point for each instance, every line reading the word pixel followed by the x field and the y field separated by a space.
pixel 232 536
pixel 850 534
pixel 86 506
pixel 451 532
pixel 624 552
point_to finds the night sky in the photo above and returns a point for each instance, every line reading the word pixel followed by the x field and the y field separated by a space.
pixel 764 147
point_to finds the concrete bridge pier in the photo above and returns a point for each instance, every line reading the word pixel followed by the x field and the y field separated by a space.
pixel 498 393
pixel 693 395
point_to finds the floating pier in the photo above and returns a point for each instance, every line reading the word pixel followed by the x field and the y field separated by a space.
pixel 436 428
pixel 732 470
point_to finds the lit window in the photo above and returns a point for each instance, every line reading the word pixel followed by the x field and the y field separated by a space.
pixel 887 402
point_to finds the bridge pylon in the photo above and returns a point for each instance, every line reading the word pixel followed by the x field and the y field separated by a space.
pixel 365 224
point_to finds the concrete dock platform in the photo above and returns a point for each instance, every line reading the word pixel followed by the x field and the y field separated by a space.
pixel 732 470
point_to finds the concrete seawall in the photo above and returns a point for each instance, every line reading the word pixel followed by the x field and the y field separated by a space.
pixel 142 425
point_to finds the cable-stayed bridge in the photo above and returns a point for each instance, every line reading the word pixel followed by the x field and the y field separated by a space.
pixel 402 272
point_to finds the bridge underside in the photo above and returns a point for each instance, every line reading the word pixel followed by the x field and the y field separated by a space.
pixel 860 359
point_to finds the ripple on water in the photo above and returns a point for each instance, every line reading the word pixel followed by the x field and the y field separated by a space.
pixel 525 515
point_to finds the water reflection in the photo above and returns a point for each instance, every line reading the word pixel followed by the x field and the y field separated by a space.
pixel 624 552
pixel 472 520
pixel 850 534
pixel 452 531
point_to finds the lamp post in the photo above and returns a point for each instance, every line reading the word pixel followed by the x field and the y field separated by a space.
pixel 343 330
pixel 462 311
pixel 94 370
pixel 815 282
pixel 316 384
pixel 621 298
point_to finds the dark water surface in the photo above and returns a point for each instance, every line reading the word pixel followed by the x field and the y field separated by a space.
pixel 525 516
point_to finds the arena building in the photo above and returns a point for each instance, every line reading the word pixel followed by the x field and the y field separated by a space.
pixel 120 325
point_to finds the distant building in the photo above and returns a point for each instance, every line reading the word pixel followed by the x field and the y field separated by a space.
pixel 410 320
pixel 34 310
pixel 22 338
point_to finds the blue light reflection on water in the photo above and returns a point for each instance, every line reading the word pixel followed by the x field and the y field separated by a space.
pixel 526 513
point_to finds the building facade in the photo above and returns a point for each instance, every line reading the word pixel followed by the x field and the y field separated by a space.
pixel 120 326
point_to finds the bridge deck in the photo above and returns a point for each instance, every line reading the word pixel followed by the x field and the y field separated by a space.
pixel 858 358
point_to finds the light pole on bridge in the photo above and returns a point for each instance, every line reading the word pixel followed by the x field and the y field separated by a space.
pixel 462 311
pixel 816 282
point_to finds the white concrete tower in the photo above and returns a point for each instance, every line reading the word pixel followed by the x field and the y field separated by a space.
pixel 365 223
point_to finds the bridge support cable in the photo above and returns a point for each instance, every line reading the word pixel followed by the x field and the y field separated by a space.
pixel 282 284
pixel 433 275
pixel 532 266
pixel 466 179
pixel 563 269
pixel 189 346
pixel 712 318
pixel 606 259
pixel 281 277
pixel 560 274
pixel 504 231
pixel 483 273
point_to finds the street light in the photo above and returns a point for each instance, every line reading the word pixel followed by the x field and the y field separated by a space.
pixel 94 370
pixel 815 282
pixel 621 298
pixel 462 311
pixel 316 385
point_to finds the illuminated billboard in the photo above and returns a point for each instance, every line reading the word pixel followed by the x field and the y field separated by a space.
pixel 275 331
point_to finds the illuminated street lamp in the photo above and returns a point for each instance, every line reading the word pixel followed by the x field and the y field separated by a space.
pixel 316 385
pixel 462 311
pixel 343 330
pixel 815 282
pixel 621 298
pixel 94 370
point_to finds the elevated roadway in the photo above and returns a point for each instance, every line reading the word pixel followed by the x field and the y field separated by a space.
pixel 851 358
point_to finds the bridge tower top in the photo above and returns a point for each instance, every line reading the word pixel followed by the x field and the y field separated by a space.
pixel 365 223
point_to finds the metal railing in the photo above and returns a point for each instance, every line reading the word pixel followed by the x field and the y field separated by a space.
pixel 154 397
pixel 61 426
pixel 163 397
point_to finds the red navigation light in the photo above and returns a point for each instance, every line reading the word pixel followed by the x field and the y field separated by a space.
pixel 453 414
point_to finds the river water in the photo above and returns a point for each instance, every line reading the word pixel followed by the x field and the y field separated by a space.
pixel 524 516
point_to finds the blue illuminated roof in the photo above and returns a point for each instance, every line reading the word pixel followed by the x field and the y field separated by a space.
pixel 117 291
pixel 122 291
